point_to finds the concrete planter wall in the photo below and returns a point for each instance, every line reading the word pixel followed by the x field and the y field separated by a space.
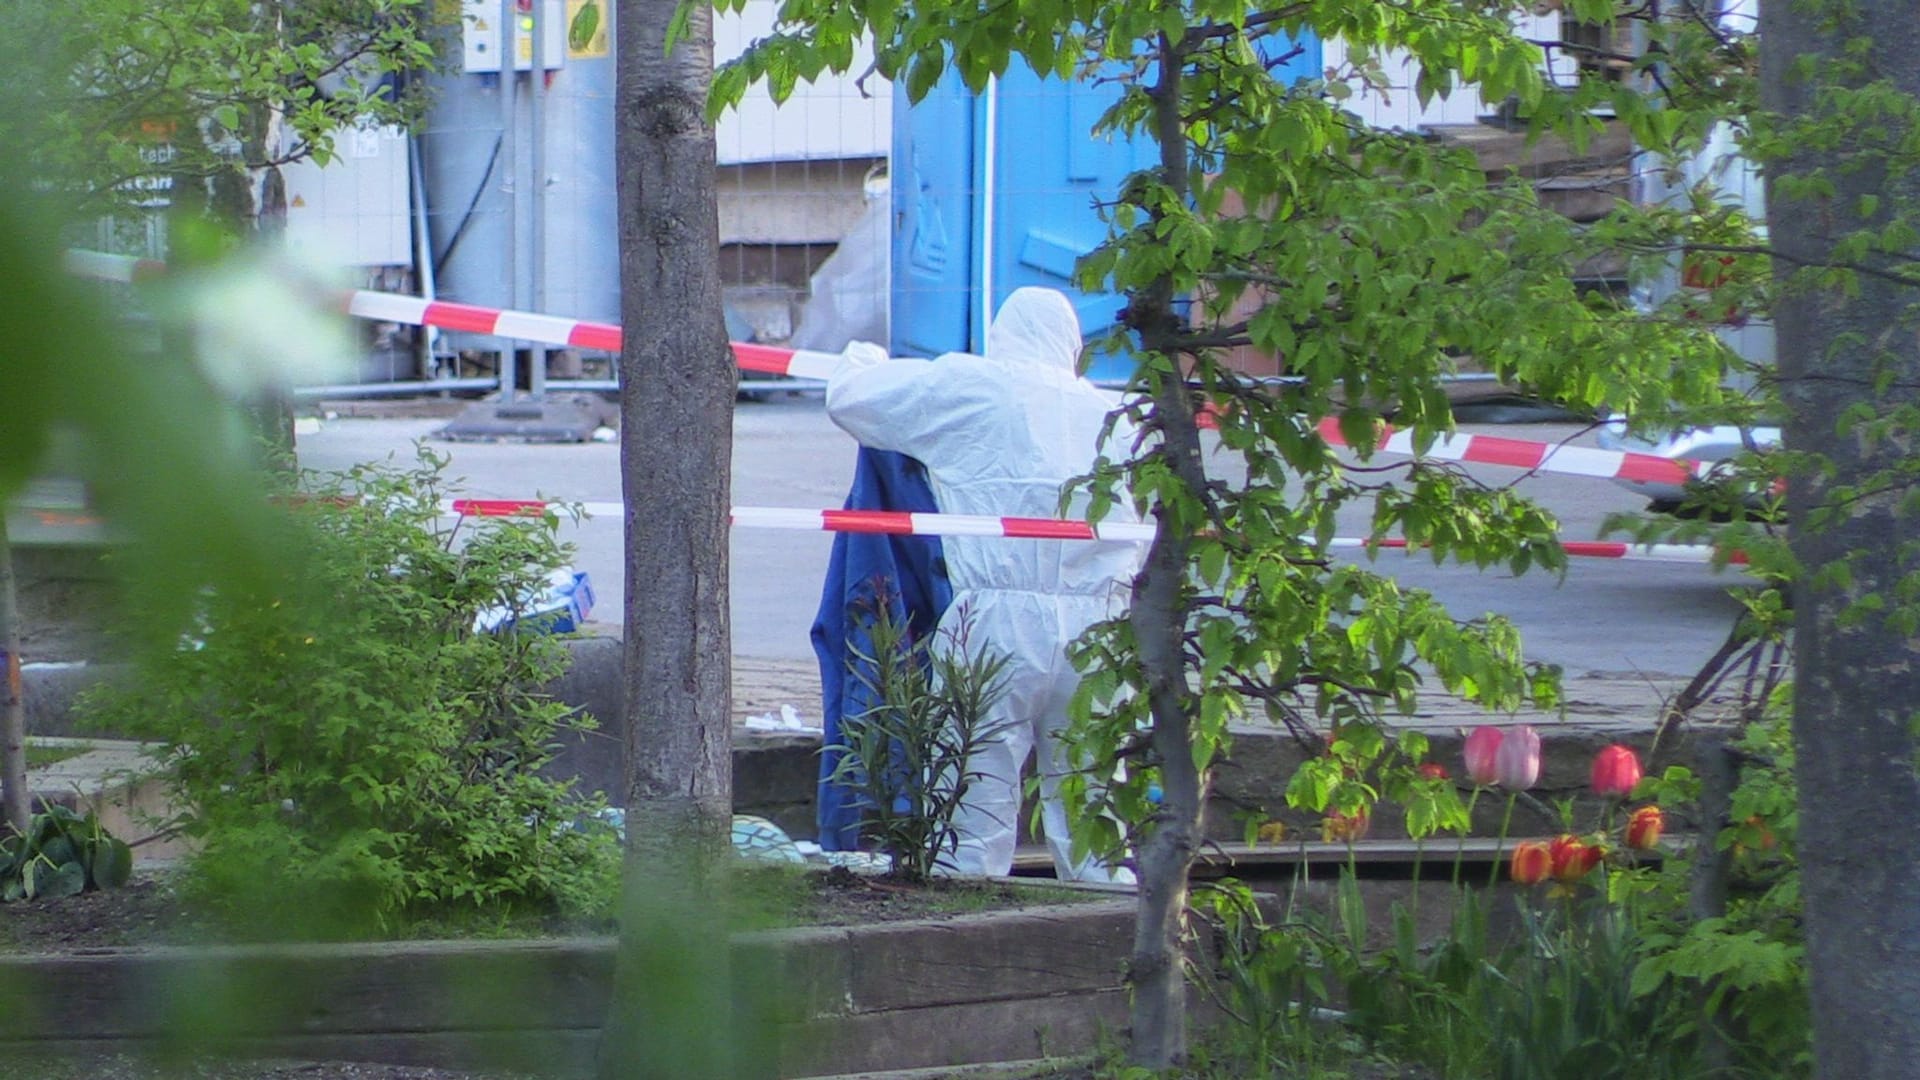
pixel 1006 985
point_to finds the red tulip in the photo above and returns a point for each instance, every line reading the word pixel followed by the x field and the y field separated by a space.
pixel 1517 764
pixel 1616 770
pixel 1530 862
pixel 1345 827
pixel 1483 746
pixel 1572 858
pixel 1432 770
pixel 1644 827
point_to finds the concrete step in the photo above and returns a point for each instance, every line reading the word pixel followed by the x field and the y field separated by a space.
pixel 115 779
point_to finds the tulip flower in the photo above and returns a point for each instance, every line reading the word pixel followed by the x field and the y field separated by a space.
pixel 1530 862
pixel 1346 828
pixel 1644 827
pixel 1483 746
pixel 1754 829
pixel 1516 765
pixel 1572 858
pixel 1616 770
pixel 1432 770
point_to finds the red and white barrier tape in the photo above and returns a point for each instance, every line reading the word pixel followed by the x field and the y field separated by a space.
pixel 517 325
pixel 802 363
pixel 1535 456
pixel 900 523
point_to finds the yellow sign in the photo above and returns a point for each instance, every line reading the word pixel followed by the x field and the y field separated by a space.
pixel 587 29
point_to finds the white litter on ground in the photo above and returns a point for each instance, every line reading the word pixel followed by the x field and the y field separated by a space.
pixel 788 719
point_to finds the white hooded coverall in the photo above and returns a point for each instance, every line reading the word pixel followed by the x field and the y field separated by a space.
pixel 1000 435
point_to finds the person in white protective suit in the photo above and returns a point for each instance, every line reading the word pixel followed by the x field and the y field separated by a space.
pixel 1000 435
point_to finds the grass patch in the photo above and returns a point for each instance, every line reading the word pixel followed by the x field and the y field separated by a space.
pixel 41 755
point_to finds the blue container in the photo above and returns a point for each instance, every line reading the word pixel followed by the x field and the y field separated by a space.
pixel 997 190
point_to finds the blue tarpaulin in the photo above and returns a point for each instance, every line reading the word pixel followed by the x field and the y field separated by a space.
pixel 904 572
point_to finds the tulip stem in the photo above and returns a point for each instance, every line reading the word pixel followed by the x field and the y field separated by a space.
pixel 1500 854
pixel 1460 850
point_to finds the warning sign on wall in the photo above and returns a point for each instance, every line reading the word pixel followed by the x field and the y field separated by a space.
pixel 586 29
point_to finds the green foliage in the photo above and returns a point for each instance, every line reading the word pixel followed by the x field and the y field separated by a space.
pixel 61 854
pixel 164 457
pixel 114 96
pixel 346 747
pixel 1748 968
pixel 1380 261
pixel 1546 999
pixel 906 756
pixel 1374 264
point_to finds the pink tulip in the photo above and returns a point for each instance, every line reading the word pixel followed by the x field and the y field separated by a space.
pixel 1517 764
pixel 1483 746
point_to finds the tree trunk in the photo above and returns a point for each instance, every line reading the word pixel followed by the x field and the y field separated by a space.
pixel 15 798
pixel 670 1012
pixel 1157 974
pixel 1855 689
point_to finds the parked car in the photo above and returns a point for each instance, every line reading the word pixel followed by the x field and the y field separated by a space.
pixel 1708 444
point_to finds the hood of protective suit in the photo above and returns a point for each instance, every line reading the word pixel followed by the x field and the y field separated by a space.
pixel 1036 326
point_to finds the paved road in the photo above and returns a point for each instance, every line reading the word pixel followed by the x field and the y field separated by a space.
pixel 1636 622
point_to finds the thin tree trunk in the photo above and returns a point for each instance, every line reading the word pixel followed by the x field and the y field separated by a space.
pixel 1856 688
pixel 14 796
pixel 671 1006
pixel 1157 974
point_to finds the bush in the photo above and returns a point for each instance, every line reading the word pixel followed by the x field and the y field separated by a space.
pixel 348 749
pixel 62 853
pixel 906 756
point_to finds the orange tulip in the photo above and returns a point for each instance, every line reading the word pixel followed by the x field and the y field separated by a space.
pixel 1644 827
pixel 1530 862
pixel 1572 858
pixel 1432 770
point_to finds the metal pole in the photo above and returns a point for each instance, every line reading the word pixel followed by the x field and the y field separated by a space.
pixel 509 153
pixel 536 128
pixel 422 249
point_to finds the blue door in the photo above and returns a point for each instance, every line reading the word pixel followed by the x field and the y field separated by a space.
pixel 973 220
pixel 933 221
pixel 1047 174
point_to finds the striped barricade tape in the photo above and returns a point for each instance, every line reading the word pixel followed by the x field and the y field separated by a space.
pixel 516 325
pixel 802 363
pixel 1534 456
pixel 902 523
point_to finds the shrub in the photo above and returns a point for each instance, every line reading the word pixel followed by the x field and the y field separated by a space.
pixel 61 854
pixel 348 748
pixel 906 756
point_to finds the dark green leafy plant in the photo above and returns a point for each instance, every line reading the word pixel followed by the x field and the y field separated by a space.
pixel 906 756
pixel 1553 999
pixel 349 749
pixel 1747 967
pixel 62 854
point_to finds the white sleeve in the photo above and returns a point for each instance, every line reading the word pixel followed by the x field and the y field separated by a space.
pixel 886 404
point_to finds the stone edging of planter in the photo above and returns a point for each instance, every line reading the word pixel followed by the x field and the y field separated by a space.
pixel 1021 983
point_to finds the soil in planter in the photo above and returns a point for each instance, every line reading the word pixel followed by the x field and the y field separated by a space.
pixel 149 910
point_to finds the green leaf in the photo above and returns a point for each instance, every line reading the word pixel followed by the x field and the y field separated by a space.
pixel 112 863
pixel 67 879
